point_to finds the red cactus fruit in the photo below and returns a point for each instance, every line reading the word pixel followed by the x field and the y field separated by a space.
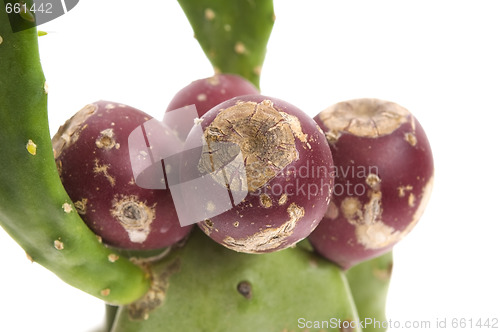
pixel 211 91
pixel 92 155
pixel 280 188
pixel 384 175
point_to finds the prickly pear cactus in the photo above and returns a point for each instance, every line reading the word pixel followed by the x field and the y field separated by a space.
pixel 199 285
pixel 203 286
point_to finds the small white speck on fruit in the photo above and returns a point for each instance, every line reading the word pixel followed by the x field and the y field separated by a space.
pixel 411 138
pixel 168 169
pixel 201 97
pixel 210 206
pixel 109 106
pixel 283 199
pixel 403 189
pixel 1 40
pixel 411 200
pixel 350 207
pixel 209 14
pixel 46 88
pixel 265 201
pixel 67 207
pixel 214 80
pixel 58 245
pixel 113 258
pixel 31 147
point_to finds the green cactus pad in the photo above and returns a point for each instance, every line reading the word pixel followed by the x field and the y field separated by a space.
pixel 233 34
pixel 206 287
pixel 34 207
pixel 369 283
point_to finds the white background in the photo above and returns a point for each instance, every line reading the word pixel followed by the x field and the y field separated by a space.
pixel 439 59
